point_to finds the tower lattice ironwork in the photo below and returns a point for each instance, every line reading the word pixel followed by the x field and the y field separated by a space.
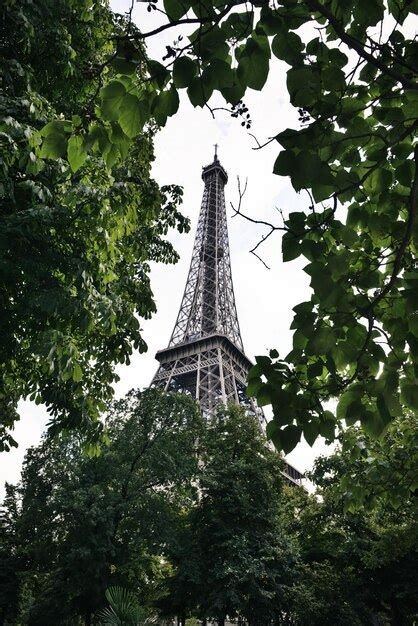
pixel 205 356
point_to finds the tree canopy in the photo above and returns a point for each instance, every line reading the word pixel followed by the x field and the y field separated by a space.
pixel 192 519
pixel 235 559
pixel 78 230
pixel 76 524
pixel 352 75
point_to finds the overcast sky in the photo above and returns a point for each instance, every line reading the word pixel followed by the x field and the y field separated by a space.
pixel 264 297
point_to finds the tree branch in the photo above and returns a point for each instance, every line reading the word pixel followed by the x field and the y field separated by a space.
pixel 356 45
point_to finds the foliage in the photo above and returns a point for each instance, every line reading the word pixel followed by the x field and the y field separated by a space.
pixel 355 567
pixel 83 524
pixel 372 472
pixel 9 582
pixel 237 560
pixel 193 519
pixel 123 609
pixel 352 76
pixel 78 230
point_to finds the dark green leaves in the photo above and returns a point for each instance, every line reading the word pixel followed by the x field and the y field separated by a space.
pixel 304 167
pixel 287 46
pixel 253 64
pixel 165 105
pixel 198 92
pixel 410 394
pixel 175 9
pixel 184 70
pixel 311 432
pixel 322 341
pixel 290 437
pixel 158 73
pixel 303 84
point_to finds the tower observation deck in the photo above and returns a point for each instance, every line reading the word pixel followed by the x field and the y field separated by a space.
pixel 205 356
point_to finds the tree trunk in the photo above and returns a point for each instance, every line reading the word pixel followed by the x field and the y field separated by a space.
pixel 221 621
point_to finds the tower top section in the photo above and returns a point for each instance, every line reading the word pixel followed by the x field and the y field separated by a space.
pixel 208 305
pixel 215 168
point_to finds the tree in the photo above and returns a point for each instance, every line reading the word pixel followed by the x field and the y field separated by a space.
pixel 9 582
pixel 356 564
pixel 238 559
pixel 83 524
pixel 376 472
pixel 352 76
pixel 78 228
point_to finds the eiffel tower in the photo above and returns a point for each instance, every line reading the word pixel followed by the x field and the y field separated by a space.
pixel 205 356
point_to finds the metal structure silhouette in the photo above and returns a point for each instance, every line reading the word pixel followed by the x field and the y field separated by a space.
pixel 205 356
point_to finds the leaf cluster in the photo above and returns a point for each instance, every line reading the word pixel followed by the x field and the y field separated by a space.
pixel 78 227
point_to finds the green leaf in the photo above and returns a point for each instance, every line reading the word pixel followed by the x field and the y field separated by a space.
pixel 253 66
pixel 409 395
pixel 327 426
pixel 346 399
pixel 218 75
pixel 405 173
pixel 158 73
pixel 112 155
pixel 315 369
pixel 290 437
pixel 263 362
pixel 131 117
pixel 333 79
pixel 238 25
pixel 287 46
pixel 384 412
pixel 264 395
pixel 271 429
pixel 198 92
pixel 322 341
pixel 175 9
pixel 255 372
pixel 311 432
pixel 285 163
pixel 380 180
pixel 235 91
pixel 290 247
pixel 116 134
pixel 303 85
pixel 76 152
pixel 184 70
pixel 165 105
pixel 372 423
pixel 121 65
pixel 56 127
pixel 77 373
pixel 337 57
pixel 54 146
pixel 253 387
pixel 210 43
pixel 112 97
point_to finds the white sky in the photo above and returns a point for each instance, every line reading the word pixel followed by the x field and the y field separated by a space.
pixel 264 297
